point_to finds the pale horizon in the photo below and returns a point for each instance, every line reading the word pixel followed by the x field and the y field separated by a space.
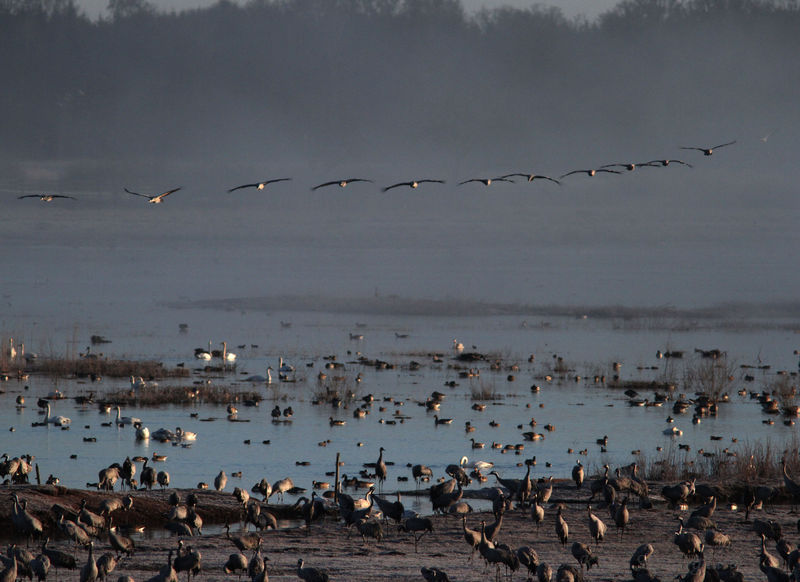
pixel 589 9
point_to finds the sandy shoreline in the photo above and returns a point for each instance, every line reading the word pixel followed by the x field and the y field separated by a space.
pixel 394 558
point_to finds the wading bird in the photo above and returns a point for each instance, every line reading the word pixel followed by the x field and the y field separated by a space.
pixel 259 185
pixel 154 199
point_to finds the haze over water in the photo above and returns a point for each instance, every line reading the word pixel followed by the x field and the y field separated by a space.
pixel 324 94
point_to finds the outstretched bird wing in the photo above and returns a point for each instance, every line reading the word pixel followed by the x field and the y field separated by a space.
pixel 259 184
pixel 562 176
pixel 326 184
pixel 396 186
pixel 62 196
pixel 165 194
pixel 137 194
pixel 243 186
pixel 29 196
pixel 722 145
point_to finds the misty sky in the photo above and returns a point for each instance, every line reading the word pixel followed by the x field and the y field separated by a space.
pixel 570 8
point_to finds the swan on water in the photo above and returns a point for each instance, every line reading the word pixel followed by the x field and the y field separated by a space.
pixel 55 420
pixel 123 420
pixel 185 435
pixel 480 465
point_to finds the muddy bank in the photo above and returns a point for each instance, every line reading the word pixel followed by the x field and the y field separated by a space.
pixel 346 556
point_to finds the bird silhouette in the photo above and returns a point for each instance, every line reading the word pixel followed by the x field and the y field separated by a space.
pixel 590 173
pixel 666 162
pixel 411 184
pixel 259 185
pixel 486 181
pixel 708 151
pixel 45 197
pixel 340 183
pixel 154 199
pixel 532 177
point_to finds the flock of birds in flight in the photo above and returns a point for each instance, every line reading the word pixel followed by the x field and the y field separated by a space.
pixel 342 183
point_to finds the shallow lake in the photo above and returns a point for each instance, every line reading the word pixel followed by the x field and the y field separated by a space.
pixel 580 409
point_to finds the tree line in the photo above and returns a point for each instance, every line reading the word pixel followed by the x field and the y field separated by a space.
pixel 381 78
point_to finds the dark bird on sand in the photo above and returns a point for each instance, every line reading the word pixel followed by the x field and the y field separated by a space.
pixel 259 185
pixel 157 199
pixel 434 575
pixel 708 151
pixel 340 183
pixel 310 574
pixel 411 184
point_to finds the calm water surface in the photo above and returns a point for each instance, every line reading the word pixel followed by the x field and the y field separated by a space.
pixel 582 411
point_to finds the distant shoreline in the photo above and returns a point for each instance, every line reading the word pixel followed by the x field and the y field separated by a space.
pixel 450 307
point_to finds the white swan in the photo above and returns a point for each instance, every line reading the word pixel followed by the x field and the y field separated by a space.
pixel 55 420
pixel 458 346
pixel 184 435
pixel 137 382
pixel 480 465
pixel 202 354
pixel 284 368
pixel 123 420
pixel 226 355
pixel 259 379
pixel 142 433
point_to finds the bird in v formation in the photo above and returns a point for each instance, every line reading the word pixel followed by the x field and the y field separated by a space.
pixel 259 185
pixel 607 168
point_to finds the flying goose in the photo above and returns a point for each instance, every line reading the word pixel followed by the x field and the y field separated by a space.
pixel 532 177
pixel 259 185
pixel 340 183
pixel 154 199
pixel 46 197
pixel 590 173
pixel 709 151
pixel 665 163
pixel 486 181
pixel 412 184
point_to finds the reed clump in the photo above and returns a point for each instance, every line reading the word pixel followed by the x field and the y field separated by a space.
pixel 82 367
pixel 747 462
pixel 485 392
pixel 202 394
